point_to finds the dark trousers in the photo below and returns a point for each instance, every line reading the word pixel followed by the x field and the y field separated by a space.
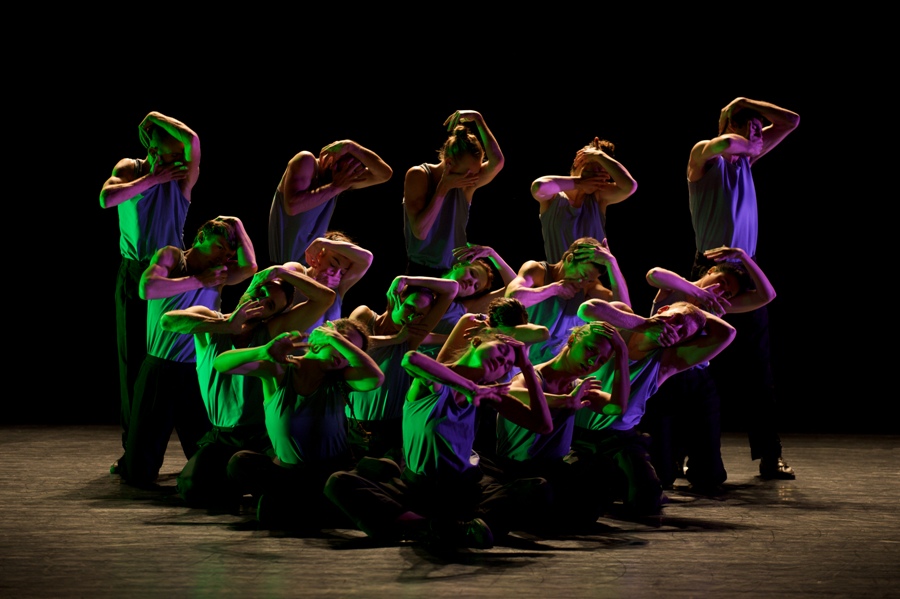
pixel 377 439
pixel 166 398
pixel 375 494
pixel 617 467
pixel 204 481
pixel 293 494
pixel 683 420
pixel 744 377
pixel 580 492
pixel 414 269
pixel 131 334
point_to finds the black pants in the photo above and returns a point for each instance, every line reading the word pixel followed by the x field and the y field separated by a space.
pixel 414 269
pixel 619 467
pixel 375 494
pixel 744 376
pixel 204 481
pixel 683 421
pixel 293 494
pixel 166 398
pixel 377 439
pixel 131 334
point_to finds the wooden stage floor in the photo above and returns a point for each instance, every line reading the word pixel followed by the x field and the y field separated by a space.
pixel 69 529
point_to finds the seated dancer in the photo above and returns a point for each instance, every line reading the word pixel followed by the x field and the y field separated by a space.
pixel 414 306
pixel 679 336
pixel 437 197
pixel 506 316
pixel 305 397
pixel 684 422
pixel 568 387
pixel 440 496
pixel 234 403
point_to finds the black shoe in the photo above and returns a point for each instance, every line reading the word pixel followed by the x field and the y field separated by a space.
pixel 270 511
pixel 707 489
pixel 775 468
pixel 118 467
pixel 474 533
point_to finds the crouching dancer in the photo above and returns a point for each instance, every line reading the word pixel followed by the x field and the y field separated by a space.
pixel 304 402
pixel 441 497
pixel 676 338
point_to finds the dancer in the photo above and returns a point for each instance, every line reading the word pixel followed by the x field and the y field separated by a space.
pixel 152 196
pixel 684 420
pixel 724 213
pixel 504 316
pixel 305 396
pixel 437 197
pixel 307 194
pixel 679 336
pixel 414 306
pixel 568 386
pixel 575 206
pixel 440 495
pixel 167 392
pixel 234 404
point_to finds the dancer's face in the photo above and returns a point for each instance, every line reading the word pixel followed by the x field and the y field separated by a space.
pixel 412 309
pixel 588 351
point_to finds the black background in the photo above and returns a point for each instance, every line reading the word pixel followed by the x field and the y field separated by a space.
pixel 254 108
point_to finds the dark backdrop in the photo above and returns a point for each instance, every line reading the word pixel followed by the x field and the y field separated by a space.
pixel 253 114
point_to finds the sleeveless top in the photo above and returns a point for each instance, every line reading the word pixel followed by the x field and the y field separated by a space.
pixel 308 429
pixel 562 224
pixel 447 233
pixel 520 444
pixel 384 402
pixel 289 236
pixel 438 435
pixel 230 399
pixel 723 206
pixel 168 345
pixel 152 220
pixel 644 374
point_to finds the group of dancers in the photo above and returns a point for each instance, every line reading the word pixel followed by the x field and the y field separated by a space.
pixel 481 399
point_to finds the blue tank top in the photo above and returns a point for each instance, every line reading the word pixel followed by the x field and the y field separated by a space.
pixel 230 399
pixel 520 444
pixel 723 206
pixel 152 220
pixel 308 429
pixel 447 233
pixel 289 236
pixel 168 345
pixel 562 224
pixel 438 435
pixel 644 374
pixel 384 402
